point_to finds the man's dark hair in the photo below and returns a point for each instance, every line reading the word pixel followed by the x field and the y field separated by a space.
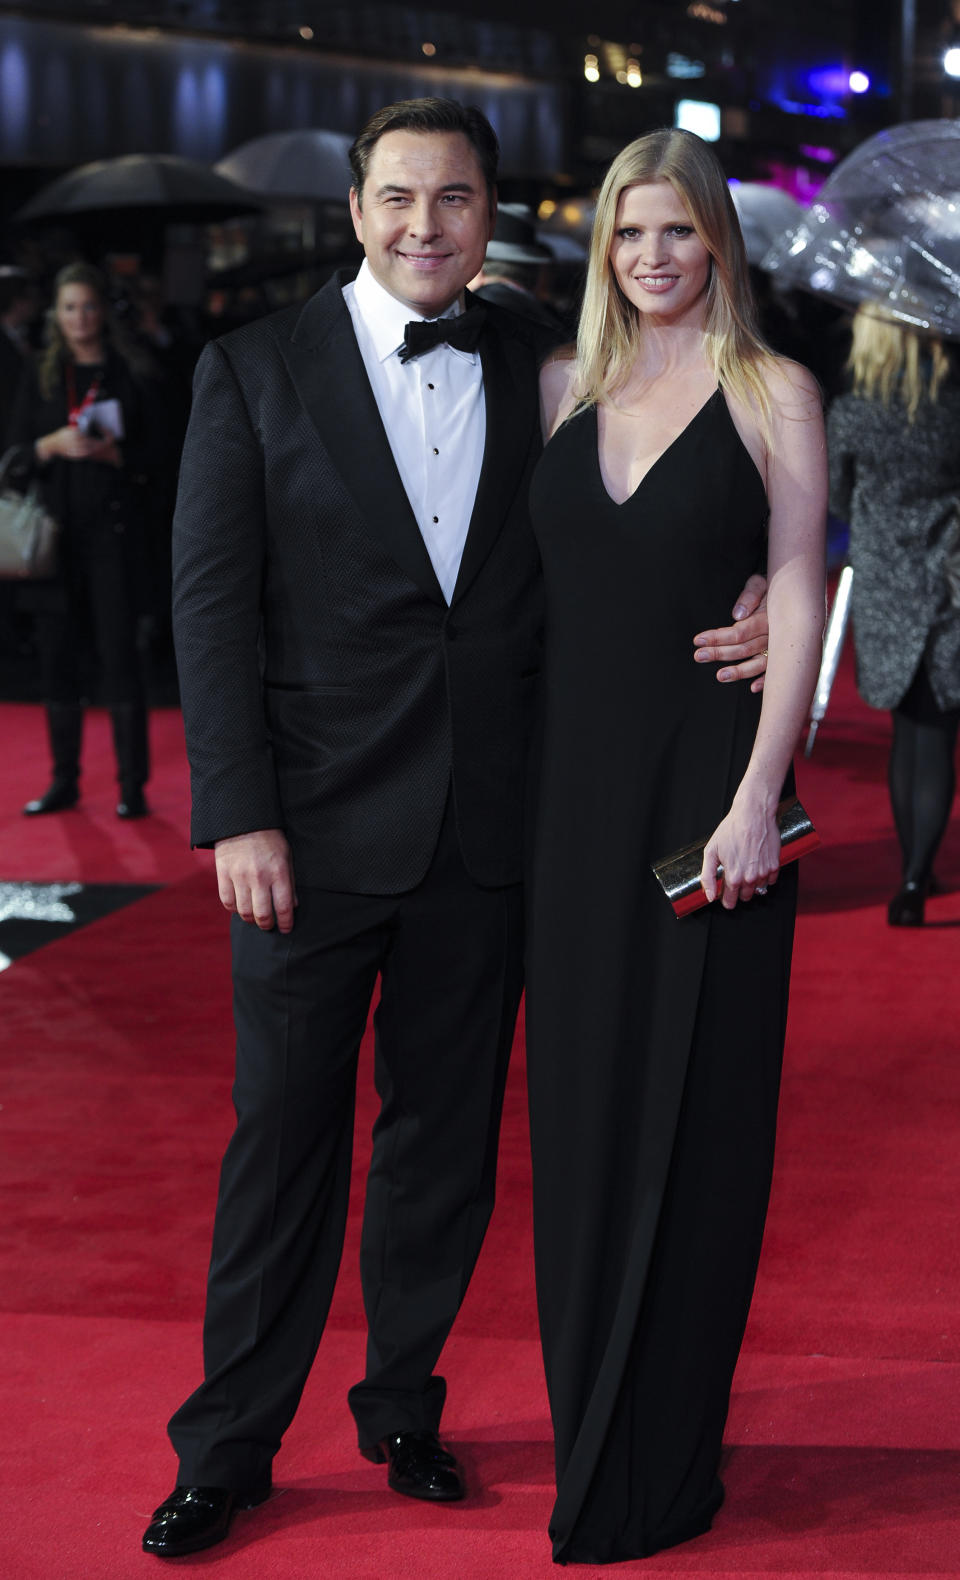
pixel 428 115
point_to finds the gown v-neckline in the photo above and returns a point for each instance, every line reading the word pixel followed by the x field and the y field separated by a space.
pixel 642 1107
pixel 618 504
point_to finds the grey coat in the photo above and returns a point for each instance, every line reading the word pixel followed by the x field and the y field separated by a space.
pixel 898 485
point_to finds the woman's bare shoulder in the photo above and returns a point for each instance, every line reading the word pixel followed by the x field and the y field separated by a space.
pixel 793 390
pixel 558 378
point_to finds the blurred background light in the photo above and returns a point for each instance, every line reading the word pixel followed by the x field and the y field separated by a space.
pixel 696 115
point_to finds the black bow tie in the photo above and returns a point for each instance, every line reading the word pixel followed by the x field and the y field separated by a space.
pixel 462 332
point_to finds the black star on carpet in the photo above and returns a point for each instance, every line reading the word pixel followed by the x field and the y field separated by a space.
pixel 34 914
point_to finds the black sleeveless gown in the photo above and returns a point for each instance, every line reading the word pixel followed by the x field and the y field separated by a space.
pixel 654 1045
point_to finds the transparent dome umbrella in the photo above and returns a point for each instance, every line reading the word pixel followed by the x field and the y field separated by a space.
pixel 885 228
pixel 764 213
pixel 833 637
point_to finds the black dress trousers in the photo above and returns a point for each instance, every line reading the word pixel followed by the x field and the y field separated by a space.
pixel 449 954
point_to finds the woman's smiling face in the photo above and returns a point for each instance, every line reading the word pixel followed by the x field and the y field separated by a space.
pixel 660 263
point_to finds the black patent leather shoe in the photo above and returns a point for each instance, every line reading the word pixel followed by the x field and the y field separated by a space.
pixel 420 1467
pixel 196 1517
pixel 132 803
pixel 63 794
pixel 906 907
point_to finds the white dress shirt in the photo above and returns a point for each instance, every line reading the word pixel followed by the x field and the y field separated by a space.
pixel 434 413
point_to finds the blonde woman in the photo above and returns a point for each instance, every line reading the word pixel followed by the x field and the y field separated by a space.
pixel 895 475
pixel 683 455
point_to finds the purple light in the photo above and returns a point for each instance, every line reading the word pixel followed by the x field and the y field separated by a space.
pixel 830 82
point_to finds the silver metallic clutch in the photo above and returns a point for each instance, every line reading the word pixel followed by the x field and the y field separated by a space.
pixel 679 874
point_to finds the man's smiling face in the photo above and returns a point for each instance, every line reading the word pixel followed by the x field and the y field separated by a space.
pixel 425 217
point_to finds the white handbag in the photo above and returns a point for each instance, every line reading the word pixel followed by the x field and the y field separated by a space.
pixel 28 533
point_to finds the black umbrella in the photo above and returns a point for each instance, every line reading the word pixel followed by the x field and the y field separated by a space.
pixel 159 187
pixel 308 164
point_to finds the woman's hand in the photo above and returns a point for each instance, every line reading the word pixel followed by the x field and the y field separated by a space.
pixel 109 452
pixel 71 445
pixel 747 846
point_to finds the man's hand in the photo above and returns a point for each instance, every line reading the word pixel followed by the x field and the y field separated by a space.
pixel 741 647
pixel 255 878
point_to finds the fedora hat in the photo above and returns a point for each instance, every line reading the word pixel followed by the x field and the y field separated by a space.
pixel 514 238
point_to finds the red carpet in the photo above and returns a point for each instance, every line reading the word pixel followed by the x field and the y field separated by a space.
pixel 844 1438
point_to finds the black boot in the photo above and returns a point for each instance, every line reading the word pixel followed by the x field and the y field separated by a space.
pixel 133 757
pixel 906 907
pixel 65 728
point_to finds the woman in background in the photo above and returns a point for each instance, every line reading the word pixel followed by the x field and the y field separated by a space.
pixel 683 456
pixel 894 445
pixel 84 421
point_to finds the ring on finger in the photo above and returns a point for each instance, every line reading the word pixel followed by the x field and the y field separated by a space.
pixel 761 888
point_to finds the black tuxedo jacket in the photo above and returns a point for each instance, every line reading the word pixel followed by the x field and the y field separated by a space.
pixel 327 688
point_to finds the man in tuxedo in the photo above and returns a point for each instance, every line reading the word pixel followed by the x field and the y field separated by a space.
pixel 357 611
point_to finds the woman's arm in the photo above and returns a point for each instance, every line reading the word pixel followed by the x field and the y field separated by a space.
pixel 71 445
pixel 38 444
pixel 747 843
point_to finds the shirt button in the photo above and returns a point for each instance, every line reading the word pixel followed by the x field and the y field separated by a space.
pixel 435 520
pixel 435 450
pixel 429 386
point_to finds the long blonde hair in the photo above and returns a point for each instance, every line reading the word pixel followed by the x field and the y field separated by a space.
pixel 890 360
pixel 611 330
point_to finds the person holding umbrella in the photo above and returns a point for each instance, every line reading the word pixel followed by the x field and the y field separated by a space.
pixel 895 475
pixel 84 421
pixel 883 238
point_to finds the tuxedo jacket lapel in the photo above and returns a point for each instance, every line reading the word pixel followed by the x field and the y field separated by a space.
pixel 506 449
pixel 327 369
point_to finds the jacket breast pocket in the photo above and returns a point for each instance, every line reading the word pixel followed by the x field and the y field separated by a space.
pixel 310 725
